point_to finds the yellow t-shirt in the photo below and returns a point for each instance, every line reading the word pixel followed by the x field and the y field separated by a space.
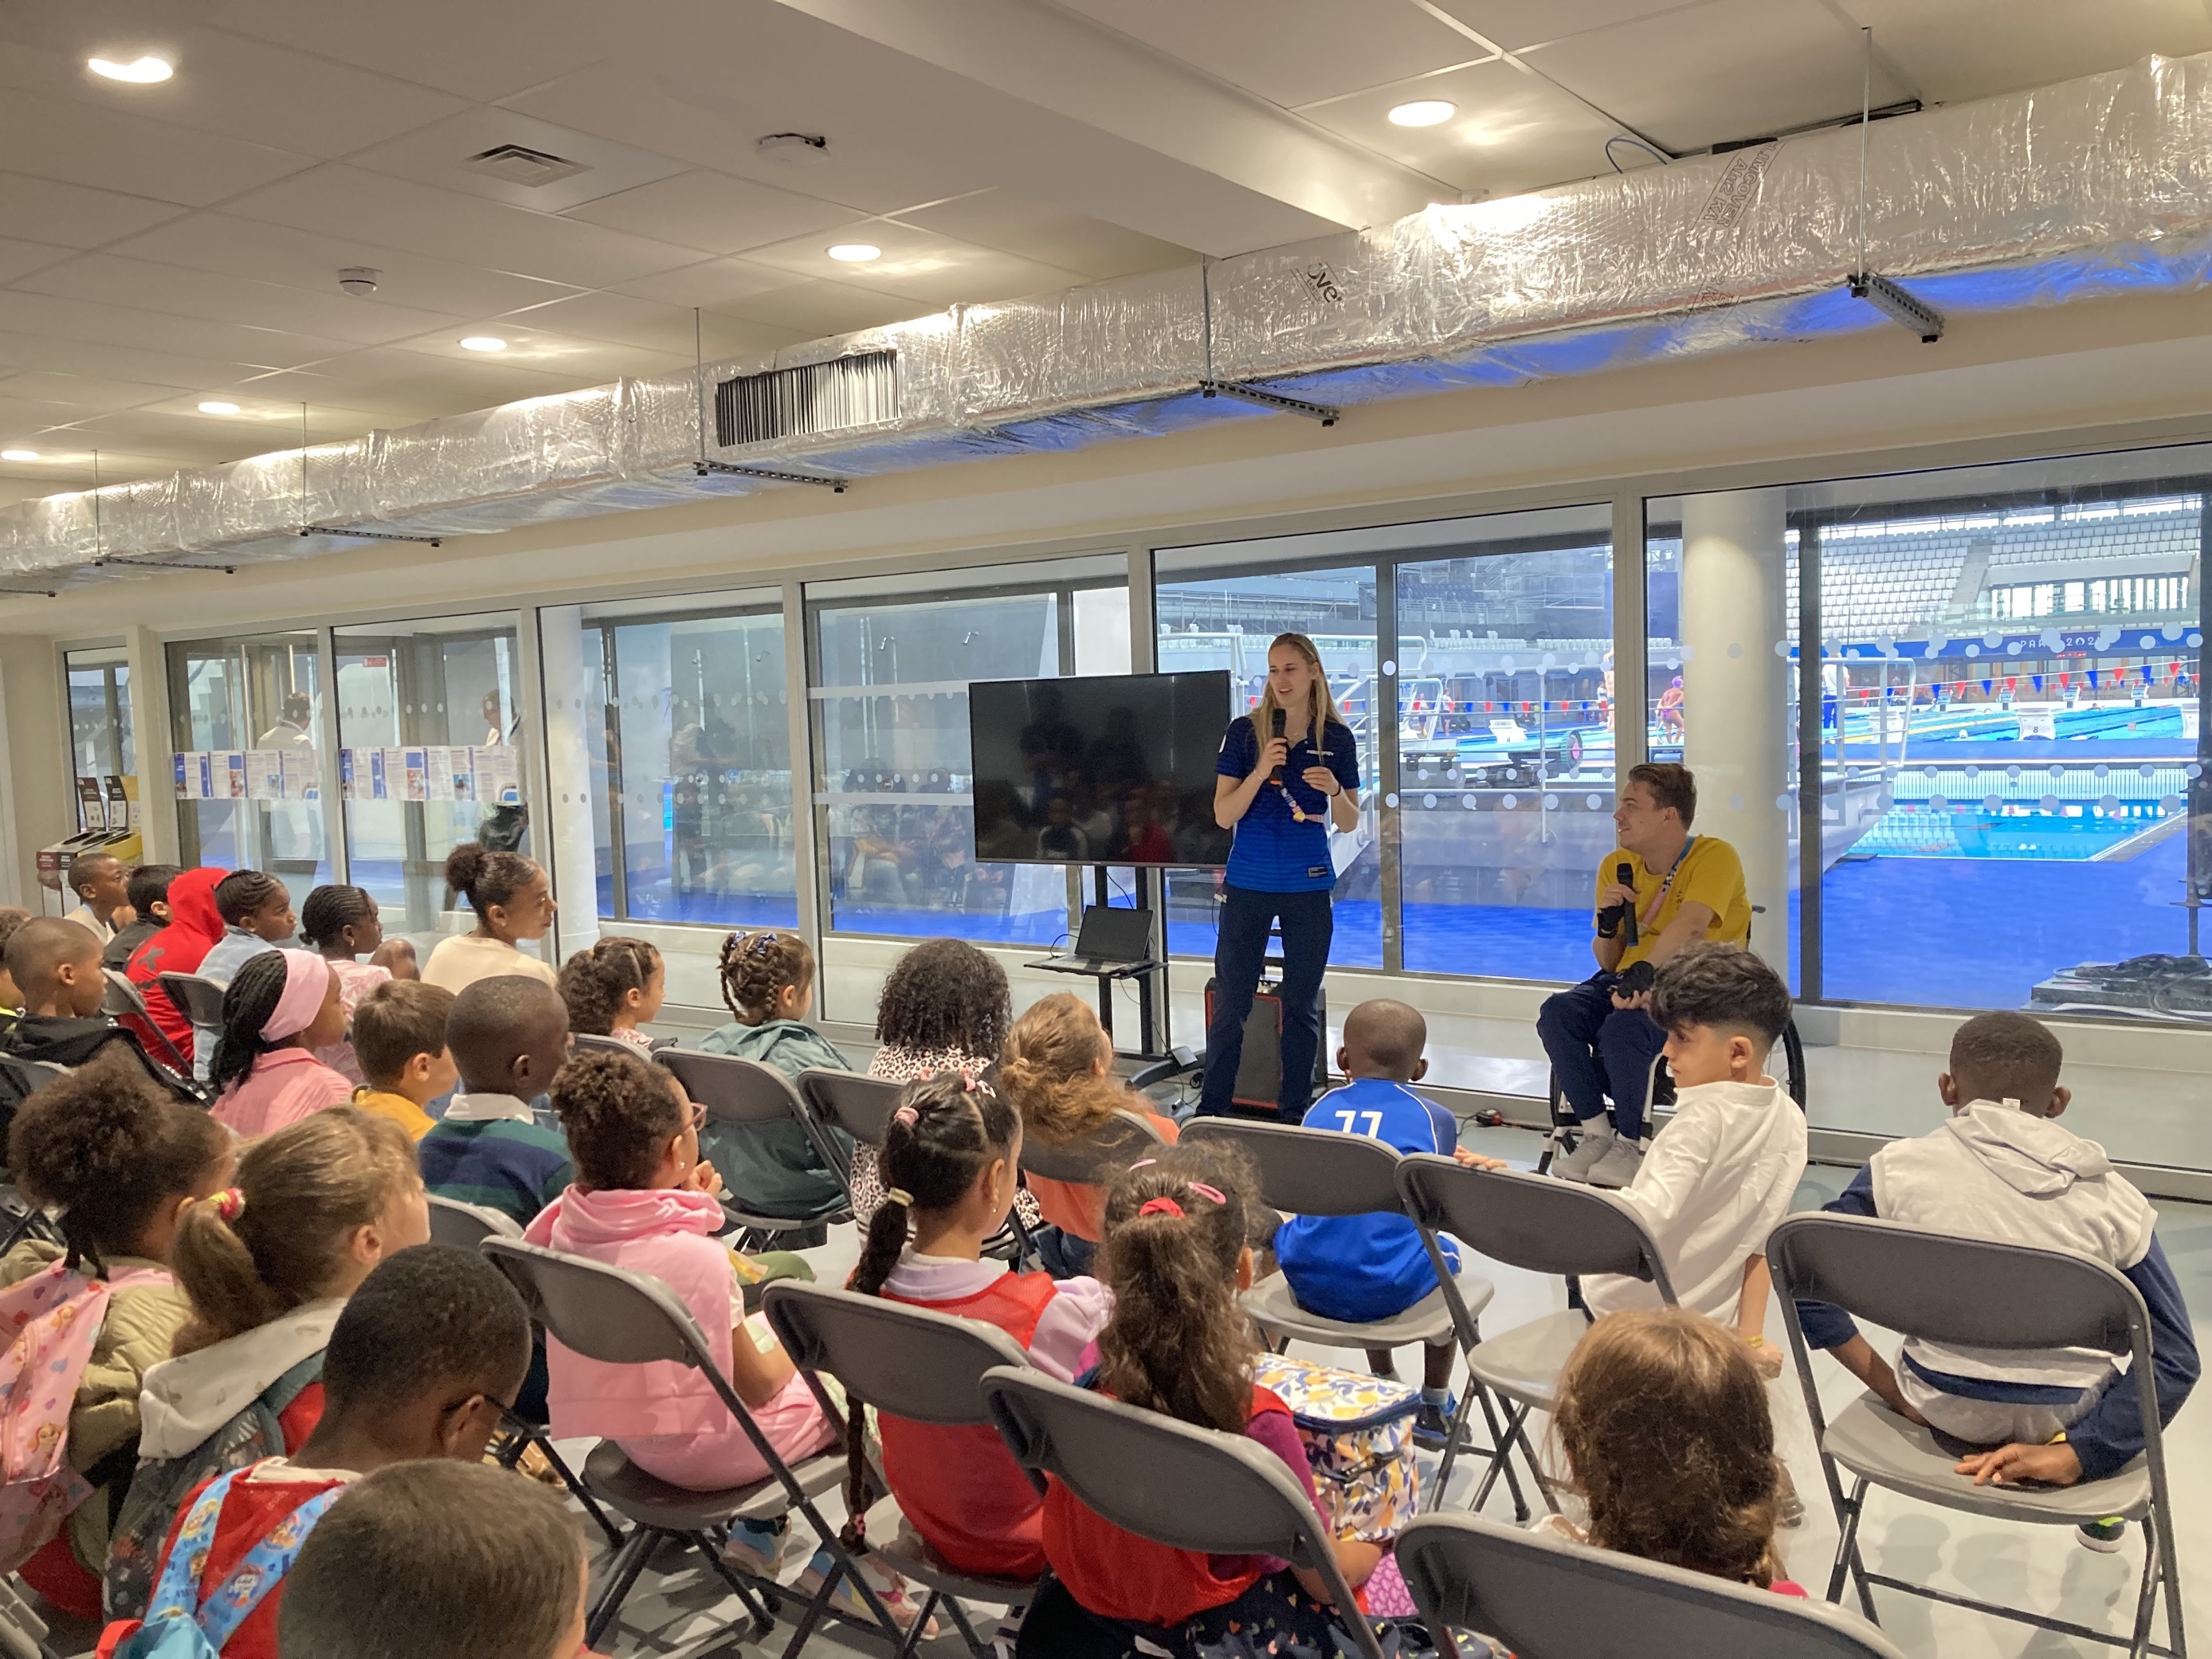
pixel 1710 874
pixel 406 1112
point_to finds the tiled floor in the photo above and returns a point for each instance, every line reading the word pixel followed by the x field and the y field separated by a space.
pixel 2041 1568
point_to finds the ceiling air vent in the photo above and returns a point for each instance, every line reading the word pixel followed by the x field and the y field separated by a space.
pixel 862 390
pixel 519 164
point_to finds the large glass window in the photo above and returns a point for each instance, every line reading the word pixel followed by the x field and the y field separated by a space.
pixel 889 693
pixel 431 741
pixel 100 712
pixel 247 714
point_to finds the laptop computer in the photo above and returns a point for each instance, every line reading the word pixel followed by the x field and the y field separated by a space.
pixel 1111 938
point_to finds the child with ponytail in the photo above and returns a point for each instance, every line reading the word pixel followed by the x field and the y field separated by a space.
pixel 282 1007
pixel 768 984
pixel 613 987
pixel 1175 1259
pixel 267 1264
pixel 951 1158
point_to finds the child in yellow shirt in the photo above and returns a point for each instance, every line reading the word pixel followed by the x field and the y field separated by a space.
pixel 400 1037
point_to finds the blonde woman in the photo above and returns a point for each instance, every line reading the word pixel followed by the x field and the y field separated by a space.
pixel 1288 772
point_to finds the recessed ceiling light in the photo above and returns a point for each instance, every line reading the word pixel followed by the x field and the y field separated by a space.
pixel 855 253
pixel 1423 112
pixel 142 71
pixel 218 406
pixel 19 454
pixel 484 342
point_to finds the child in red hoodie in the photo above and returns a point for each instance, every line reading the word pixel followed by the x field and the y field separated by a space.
pixel 428 1354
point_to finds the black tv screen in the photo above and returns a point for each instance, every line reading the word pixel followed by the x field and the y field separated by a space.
pixel 1114 769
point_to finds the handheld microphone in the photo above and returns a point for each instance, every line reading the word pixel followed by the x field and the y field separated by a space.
pixel 1275 725
pixel 1625 874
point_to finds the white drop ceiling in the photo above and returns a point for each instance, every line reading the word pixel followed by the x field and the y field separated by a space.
pixel 164 245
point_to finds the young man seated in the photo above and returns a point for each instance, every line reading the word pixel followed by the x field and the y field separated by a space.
pixel 2002 1168
pixel 101 883
pixel 149 893
pixel 508 1036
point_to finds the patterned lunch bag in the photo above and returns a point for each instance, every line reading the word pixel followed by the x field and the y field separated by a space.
pixel 1359 1436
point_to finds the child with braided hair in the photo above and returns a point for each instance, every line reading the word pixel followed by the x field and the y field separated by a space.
pixel 613 987
pixel 282 1007
pixel 768 984
pixel 951 1157
pixel 342 924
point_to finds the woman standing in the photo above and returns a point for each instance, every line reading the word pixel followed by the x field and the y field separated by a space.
pixel 1279 795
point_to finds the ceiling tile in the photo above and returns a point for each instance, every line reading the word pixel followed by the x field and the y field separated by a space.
pixel 1719 70
pixel 1513 131
pixel 105 360
pixel 919 264
pixel 73 215
pixel 1291 51
pixel 438 155
pixel 712 211
pixel 1020 225
pixel 539 350
pixel 648 325
pixel 1952 50
pixel 63 320
pixel 112 149
pixel 343 201
pixel 816 310
pixel 711 283
pixel 477 50
pixel 19 259
pixel 407 386
pixel 310 260
pixel 218 297
pixel 1515 24
pixel 79 394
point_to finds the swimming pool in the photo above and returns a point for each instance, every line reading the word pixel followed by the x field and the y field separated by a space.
pixel 2069 833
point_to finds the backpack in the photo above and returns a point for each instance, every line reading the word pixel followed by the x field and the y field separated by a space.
pixel 1357 1431
pixel 177 1625
pixel 52 1319
pixel 159 1489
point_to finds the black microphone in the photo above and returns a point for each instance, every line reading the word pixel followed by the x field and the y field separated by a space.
pixel 1275 725
pixel 1625 874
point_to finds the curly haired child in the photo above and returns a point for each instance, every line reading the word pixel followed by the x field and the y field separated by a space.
pixel 613 987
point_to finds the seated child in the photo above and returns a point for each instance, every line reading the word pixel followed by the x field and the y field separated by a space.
pixel 1721 1172
pixel 101 883
pixel 1663 1420
pixel 55 966
pixel 768 984
pixel 342 925
pixel 267 1264
pixel 257 915
pixel 282 1007
pixel 954 1149
pixel 2001 1168
pixel 149 893
pixel 1174 1260
pixel 12 916
pixel 1058 1070
pixel 508 1035
pixel 195 928
pixel 613 989
pixel 399 1037
pixel 644 1200
pixel 426 1356
pixel 438 1561
pixel 121 1160
pixel 1362 1267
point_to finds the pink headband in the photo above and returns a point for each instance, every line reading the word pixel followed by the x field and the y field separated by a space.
pixel 306 982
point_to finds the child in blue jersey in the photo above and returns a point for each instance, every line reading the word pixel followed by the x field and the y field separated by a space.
pixel 1362 1267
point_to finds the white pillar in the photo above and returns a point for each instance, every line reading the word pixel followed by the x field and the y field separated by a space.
pixel 568 808
pixel 1736 690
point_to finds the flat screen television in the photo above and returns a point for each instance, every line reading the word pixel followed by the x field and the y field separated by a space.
pixel 1110 769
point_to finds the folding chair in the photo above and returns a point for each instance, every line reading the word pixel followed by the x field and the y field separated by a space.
pixel 859 1105
pixel 925 1367
pixel 1969 1292
pixel 1171 1482
pixel 1089 1159
pixel 201 999
pixel 1318 1172
pixel 22 1632
pixel 1544 1598
pixel 747 1094
pixel 587 1042
pixel 1543 1226
pixel 123 1001
pixel 622 1318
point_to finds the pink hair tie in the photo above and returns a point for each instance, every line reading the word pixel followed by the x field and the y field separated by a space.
pixel 1159 1207
pixel 1204 1191
pixel 906 1114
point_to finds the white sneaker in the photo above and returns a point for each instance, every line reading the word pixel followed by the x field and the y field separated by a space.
pixel 1622 1159
pixel 1597 1139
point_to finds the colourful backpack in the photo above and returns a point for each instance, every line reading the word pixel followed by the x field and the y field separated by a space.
pixel 177 1625
pixel 50 1322
pixel 1357 1431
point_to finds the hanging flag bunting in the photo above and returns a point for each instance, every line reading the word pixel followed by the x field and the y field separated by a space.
pixel 2092 680
pixel 1986 684
pixel 2037 678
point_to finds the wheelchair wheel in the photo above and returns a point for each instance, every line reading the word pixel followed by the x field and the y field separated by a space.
pixel 1793 1055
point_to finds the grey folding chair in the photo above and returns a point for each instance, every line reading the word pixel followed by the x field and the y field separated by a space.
pixel 1969 1293
pixel 1543 1226
pixel 585 1042
pixel 622 1318
pixel 749 1095
pixel 925 1367
pixel 1092 1160
pixel 201 999
pixel 465 1226
pixel 124 1000
pixel 1319 1172
pixel 1171 1482
pixel 859 1105
pixel 22 1632
pixel 1542 1598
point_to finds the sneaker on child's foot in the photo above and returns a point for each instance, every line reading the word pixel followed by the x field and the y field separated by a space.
pixel 755 1548
pixel 1618 1168
pixel 2103 1536
pixel 1789 1507
pixel 890 1589
pixel 1432 1425
pixel 1597 1139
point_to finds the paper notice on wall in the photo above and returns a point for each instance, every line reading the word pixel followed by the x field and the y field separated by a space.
pixel 301 774
pixel 185 774
pixel 230 778
pixel 91 806
pixel 349 782
pixel 415 774
pixel 498 778
pixel 265 775
pixel 439 760
pixel 380 773
pixel 464 772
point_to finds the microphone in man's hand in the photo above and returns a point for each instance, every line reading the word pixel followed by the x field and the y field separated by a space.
pixel 1275 725
pixel 1619 918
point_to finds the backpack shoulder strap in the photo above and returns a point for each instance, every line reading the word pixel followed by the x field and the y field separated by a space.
pixel 262 1570
pixel 177 1595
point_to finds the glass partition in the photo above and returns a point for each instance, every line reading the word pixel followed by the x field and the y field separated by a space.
pixel 100 712
pixel 247 774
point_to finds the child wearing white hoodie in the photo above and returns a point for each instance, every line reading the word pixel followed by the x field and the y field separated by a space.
pixel 2001 1168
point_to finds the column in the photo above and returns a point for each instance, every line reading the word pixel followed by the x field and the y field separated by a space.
pixel 1735 686
pixel 567 813
pixel 152 743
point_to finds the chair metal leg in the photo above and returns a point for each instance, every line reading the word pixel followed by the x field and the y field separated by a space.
pixel 2145 1596
pixel 629 1561
pixel 763 1620
pixel 1453 1439
pixel 977 1645
pixel 575 1485
pixel 1497 1440
pixel 1847 1554
pixel 814 1609
pixel 921 1623
pixel 2169 1572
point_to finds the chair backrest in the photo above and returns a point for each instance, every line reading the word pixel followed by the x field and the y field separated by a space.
pixel 584 1041
pixel 30 1075
pixel 1969 1292
pixel 1532 1222
pixel 122 997
pixel 1186 1487
pixel 735 1090
pixel 1111 1147
pixel 200 999
pixel 1542 1598
pixel 1312 1171
pixel 465 1226
pixel 922 1365
pixel 861 1106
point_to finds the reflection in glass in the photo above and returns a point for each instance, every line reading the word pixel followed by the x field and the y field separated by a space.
pixel 247 717
pixel 99 713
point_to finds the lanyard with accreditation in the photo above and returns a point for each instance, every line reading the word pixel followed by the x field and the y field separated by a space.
pixel 1651 912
